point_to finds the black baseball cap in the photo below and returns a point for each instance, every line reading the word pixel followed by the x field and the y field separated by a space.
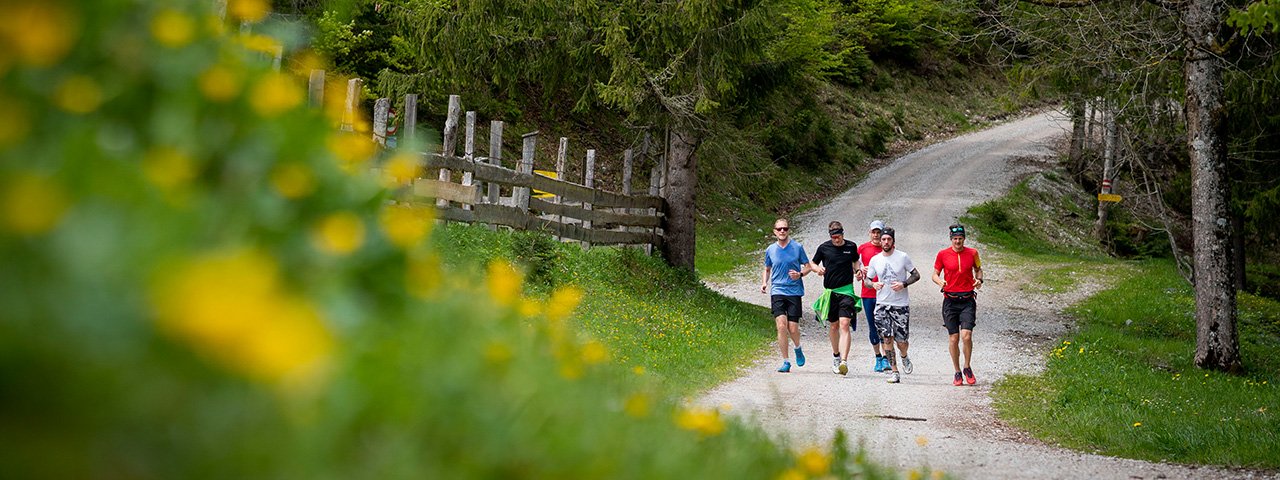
pixel 957 230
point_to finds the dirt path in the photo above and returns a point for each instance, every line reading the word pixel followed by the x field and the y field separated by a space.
pixel 920 194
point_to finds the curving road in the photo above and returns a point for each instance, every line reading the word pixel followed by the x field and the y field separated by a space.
pixel 925 421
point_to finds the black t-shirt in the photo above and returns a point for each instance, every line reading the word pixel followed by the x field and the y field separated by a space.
pixel 838 261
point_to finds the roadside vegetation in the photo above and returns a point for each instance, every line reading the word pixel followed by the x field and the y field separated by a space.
pixel 1124 383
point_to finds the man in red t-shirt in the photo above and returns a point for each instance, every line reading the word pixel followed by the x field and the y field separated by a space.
pixel 958 270
pixel 865 252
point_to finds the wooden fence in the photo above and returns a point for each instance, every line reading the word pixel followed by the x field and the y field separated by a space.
pixel 469 188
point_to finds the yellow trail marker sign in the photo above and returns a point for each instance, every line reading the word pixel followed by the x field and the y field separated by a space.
pixel 1108 197
pixel 540 193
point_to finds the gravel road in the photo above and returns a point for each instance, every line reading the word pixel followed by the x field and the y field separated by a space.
pixel 925 421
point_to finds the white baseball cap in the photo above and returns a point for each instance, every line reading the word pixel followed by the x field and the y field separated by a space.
pixel 876 225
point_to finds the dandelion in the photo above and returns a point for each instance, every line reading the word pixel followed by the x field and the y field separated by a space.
pixel 914 475
pixel 402 169
pixel 706 422
pixel 293 180
pixel 339 233
pixel 814 462
pixel 78 94
pixel 39 33
pixel 219 83
pixel 563 302
pixel 1137 424
pixel 594 353
pixel 504 282
pixel 422 275
pixel 248 10
pixel 530 308
pixel 260 43
pixel 172 28
pixel 405 225
pixel 168 168
pixel 638 370
pixel 351 150
pixel 792 474
pixel 233 309
pixel 33 203
pixel 497 353
pixel 637 405
pixel 274 94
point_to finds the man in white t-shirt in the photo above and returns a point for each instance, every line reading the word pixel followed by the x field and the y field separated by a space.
pixel 893 272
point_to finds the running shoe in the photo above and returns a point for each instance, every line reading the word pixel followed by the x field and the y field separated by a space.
pixel 881 364
pixel 799 357
pixel 906 365
pixel 835 365
pixel 786 367
pixel 894 378
pixel 968 376
pixel 958 381
pixel 843 368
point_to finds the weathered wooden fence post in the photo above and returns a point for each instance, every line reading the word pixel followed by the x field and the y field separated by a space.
pixel 628 162
pixel 654 178
pixel 562 154
pixel 495 158
pixel 315 88
pixel 381 108
pixel 589 181
pixel 349 107
pixel 520 195
pixel 411 121
pixel 469 151
pixel 450 140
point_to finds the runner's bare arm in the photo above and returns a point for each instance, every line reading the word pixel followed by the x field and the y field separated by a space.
pixel 937 278
pixel 764 280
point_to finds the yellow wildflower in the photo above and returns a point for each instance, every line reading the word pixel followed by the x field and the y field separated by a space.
pixel 248 10
pixel 422 277
pixel 168 168
pixel 637 405
pixel 405 225
pixel 638 370
pixel 497 353
pixel 914 475
pixel 275 93
pixel 571 370
pixel 233 309
pixel 563 302
pixel 529 308
pixel 33 203
pixel 293 180
pixel 339 233
pixel 260 43
pixel 352 150
pixel 594 352
pixel 792 474
pixel 402 169
pixel 504 282
pixel 937 475
pixel 173 28
pixel 78 94
pixel 220 83
pixel 39 33
pixel 814 462
pixel 14 122
pixel 1137 424
pixel 921 440
pixel 704 421
pixel 301 63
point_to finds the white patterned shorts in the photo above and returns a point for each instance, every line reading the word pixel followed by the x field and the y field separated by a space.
pixel 893 321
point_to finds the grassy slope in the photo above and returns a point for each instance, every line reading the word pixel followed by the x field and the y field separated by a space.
pixel 1124 383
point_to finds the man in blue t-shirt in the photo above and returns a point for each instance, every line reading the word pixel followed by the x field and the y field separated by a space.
pixel 784 264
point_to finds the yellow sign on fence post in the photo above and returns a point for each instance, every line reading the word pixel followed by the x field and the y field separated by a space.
pixel 540 193
pixel 1108 197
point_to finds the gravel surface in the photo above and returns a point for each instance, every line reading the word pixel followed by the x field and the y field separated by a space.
pixel 925 421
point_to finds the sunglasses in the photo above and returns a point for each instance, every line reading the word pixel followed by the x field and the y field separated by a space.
pixel 781 229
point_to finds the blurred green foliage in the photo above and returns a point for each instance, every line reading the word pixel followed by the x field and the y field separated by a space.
pixel 201 280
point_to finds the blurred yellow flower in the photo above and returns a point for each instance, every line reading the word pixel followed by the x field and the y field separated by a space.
pixel 504 282
pixel 914 475
pixel 402 169
pixel 173 28
pixel 813 461
pixel 405 225
pixel 275 93
pixel 352 150
pixel 638 370
pixel 220 83
pixel 301 63
pixel 704 421
pixel 168 168
pixel 422 277
pixel 14 122
pixel 594 352
pixel 33 203
pixel 637 405
pixel 39 33
pixel 792 474
pixel 937 475
pixel 1137 424
pixel 563 302
pixel 530 308
pixel 293 180
pixel 78 94
pixel 339 233
pixel 233 309
pixel 921 440
pixel 248 10
pixel 497 353
pixel 571 370
pixel 260 43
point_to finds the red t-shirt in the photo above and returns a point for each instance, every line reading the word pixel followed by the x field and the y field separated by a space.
pixel 957 268
pixel 866 251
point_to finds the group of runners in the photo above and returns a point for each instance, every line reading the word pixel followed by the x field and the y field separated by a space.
pixel 873 278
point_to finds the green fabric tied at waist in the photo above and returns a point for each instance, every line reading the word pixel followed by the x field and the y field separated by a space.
pixel 823 305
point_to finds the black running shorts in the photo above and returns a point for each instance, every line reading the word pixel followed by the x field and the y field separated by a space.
pixel 959 314
pixel 788 305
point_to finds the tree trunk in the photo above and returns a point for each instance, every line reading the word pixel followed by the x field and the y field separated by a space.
pixel 1217 343
pixel 1105 184
pixel 1075 155
pixel 682 183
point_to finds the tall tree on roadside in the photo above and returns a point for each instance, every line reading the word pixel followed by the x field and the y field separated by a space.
pixel 1202 24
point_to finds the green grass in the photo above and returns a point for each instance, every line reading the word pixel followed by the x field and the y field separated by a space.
pixel 1124 383
pixel 652 316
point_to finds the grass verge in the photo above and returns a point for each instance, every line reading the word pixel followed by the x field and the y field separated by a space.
pixel 1124 383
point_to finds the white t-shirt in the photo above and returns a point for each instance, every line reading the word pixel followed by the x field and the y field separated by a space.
pixel 894 268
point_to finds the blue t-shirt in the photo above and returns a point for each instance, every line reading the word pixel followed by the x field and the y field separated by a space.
pixel 782 260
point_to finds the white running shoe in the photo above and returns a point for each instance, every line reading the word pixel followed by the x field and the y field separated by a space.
pixel 906 365
pixel 835 366
pixel 894 378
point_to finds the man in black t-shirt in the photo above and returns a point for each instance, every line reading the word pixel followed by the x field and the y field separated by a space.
pixel 835 261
